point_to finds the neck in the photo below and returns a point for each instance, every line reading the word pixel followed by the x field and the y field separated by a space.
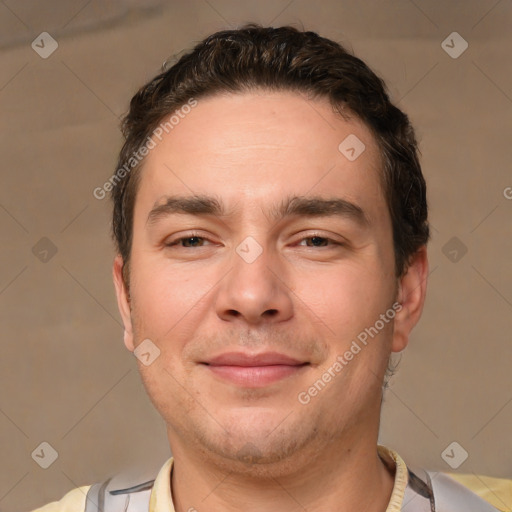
pixel 348 475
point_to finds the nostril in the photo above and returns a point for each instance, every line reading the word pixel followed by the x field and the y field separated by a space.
pixel 269 313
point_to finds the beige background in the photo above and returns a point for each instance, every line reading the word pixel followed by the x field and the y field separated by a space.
pixel 65 377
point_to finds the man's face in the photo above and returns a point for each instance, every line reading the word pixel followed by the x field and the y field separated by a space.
pixel 251 305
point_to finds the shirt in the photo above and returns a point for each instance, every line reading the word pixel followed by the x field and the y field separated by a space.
pixel 498 492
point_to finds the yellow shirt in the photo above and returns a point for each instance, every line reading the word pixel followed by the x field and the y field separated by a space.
pixel 498 492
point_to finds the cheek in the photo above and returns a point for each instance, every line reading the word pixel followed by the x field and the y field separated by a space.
pixel 346 301
pixel 167 298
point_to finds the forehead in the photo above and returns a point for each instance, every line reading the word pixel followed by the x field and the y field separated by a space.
pixel 258 146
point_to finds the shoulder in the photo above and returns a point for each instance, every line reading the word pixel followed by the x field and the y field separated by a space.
pixel 496 491
pixel 140 484
pixel 73 501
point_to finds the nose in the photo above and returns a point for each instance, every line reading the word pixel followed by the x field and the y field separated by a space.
pixel 254 291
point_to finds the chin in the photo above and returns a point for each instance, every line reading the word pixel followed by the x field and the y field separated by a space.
pixel 256 443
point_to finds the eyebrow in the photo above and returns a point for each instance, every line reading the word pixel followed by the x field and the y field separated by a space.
pixel 291 206
pixel 192 205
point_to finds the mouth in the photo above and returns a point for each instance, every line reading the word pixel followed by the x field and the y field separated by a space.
pixel 254 371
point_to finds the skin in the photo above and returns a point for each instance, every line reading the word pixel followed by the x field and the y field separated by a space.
pixel 258 448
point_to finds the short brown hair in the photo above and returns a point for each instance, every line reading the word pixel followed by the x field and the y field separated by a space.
pixel 277 59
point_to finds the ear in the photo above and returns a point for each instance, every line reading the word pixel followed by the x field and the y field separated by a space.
pixel 412 289
pixel 123 302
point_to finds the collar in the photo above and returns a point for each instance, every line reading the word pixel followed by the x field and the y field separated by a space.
pixel 161 497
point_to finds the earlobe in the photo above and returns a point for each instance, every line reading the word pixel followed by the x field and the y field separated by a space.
pixel 128 340
pixel 411 295
pixel 123 302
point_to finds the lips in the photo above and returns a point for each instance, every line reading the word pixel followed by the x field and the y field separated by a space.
pixel 254 370
pixel 264 359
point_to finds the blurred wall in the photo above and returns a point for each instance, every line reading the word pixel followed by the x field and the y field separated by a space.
pixel 65 376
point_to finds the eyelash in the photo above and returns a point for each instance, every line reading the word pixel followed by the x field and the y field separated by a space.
pixel 178 240
pixel 196 235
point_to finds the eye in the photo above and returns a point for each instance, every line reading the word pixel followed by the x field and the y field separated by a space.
pixel 319 241
pixel 189 242
pixel 316 241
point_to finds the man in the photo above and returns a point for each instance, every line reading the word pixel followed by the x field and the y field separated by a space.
pixel 270 221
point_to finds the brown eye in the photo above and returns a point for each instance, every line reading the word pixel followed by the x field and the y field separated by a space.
pixel 188 242
pixel 191 241
pixel 317 241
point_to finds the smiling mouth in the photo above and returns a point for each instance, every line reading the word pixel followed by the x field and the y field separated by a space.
pixel 254 370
